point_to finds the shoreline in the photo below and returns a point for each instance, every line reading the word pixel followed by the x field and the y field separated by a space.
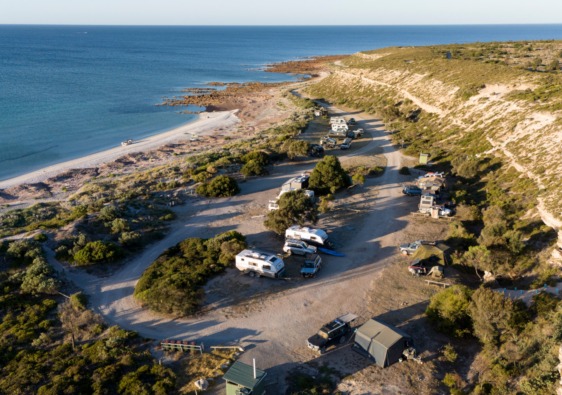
pixel 203 125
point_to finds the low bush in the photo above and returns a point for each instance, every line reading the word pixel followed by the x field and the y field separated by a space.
pixel 96 252
pixel 253 168
pixel 220 186
pixel 172 283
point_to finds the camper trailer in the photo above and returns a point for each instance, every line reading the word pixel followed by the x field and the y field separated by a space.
pixel 260 263
pixel 296 183
pixel 312 236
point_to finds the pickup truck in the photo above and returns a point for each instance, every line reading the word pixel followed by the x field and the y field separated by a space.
pixel 332 333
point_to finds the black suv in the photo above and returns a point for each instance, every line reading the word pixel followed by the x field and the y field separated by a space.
pixel 334 332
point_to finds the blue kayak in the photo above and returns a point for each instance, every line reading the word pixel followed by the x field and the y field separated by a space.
pixel 330 252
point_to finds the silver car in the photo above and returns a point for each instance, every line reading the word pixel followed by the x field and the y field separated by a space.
pixel 298 247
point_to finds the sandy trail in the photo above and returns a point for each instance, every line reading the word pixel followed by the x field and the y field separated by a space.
pixel 207 122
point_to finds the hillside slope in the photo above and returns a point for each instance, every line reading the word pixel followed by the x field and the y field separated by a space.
pixel 499 99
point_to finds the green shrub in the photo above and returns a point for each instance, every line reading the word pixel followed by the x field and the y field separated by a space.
pixel 95 252
pixel 172 284
pixel 259 157
pixel 253 168
pixel 40 237
pixel 404 171
pixel 448 310
pixel 220 186
pixel 295 208
pixel 295 148
pixel 328 176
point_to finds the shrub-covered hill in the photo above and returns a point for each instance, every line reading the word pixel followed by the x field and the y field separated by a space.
pixel 172 284
pixel 51 344
pixel 472 100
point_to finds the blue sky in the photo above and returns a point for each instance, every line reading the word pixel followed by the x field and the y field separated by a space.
pixel 280 12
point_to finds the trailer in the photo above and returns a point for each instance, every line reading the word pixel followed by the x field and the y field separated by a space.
pixel 260 263
pixel 316 237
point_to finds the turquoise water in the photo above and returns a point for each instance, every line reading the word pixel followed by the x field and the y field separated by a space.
pixel 68 91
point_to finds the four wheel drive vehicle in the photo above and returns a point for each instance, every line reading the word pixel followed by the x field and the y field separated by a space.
pixel 334 332
pixel 298 247
pixel 328 142
pixel 412 190
pixel 311 265
pixel 410 248
pixel 260 263
pixel 346 143
pixel 316 150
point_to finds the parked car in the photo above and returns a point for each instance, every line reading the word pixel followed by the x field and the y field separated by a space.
pixel 332 333
pixel 419 267
pixel 410 248
pixel 412 190
pixel 351 121
pixel 328 142
pixel 445 212
pixel 346 143
pixel 311 265
pixel 316 150
pixel 298 247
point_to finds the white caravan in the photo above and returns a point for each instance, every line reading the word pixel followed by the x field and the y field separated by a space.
pixel 312 236
pixel 260 263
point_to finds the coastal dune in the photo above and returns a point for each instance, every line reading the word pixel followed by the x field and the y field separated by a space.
pixel 206 124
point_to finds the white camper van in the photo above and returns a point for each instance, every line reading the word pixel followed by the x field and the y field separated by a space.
pixel 312 236
pixel 260 263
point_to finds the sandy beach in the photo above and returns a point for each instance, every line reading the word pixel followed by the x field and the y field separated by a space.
pixel 206 124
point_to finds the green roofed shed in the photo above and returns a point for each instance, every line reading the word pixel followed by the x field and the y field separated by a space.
pixel 382 342
pixel 240 380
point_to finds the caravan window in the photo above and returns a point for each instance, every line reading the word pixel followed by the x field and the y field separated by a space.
pixel 252 264
pixel 266 267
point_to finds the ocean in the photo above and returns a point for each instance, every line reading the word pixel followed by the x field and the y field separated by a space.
pixel 69 91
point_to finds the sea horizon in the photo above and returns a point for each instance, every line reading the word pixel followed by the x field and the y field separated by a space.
pixel 72 90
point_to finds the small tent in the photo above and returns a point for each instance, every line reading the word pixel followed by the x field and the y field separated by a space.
pixel 381 342
pixel 437 254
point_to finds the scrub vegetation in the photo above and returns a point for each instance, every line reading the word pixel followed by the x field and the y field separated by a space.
pixel 173 283
pixel 458 103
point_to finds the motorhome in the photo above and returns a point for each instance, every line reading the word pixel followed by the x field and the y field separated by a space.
pixel 312 236
pixel 260 263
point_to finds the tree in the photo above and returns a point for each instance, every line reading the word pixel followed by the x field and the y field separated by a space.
pixel 495 226
pixel 328 176
pixel 295 207
pixel 79 322
pixel 478 257
pixel 494 316
pixel 220 186
pixel 448 310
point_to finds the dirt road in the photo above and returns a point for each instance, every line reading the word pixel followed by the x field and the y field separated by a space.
pixel 275 326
